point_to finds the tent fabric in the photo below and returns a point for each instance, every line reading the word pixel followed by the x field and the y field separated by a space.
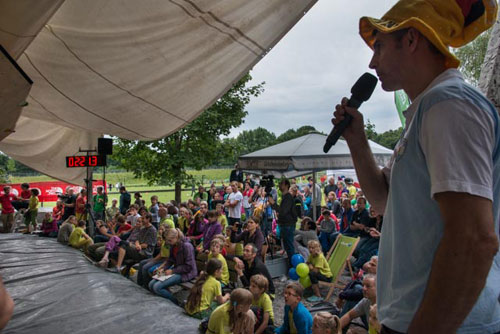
pixel 306 154
pixel 138 70
pixel 56 290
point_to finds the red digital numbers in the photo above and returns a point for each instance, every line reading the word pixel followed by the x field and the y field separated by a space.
pixel 86 161
pixel 93 160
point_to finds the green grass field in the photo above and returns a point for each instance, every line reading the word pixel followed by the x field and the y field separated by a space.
pixel 137 184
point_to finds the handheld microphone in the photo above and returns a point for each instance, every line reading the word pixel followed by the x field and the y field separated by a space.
pixel 360 92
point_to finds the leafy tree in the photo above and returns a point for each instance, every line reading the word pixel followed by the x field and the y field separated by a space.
pixel 472 56
pixel 254 140
pixel 292 133
pixel 387 139
pixel 196 146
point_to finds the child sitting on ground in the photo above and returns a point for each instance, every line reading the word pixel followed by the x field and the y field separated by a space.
pixel 79 238
pixel 215 253
pixel 235 316
pixel 49 226
pixel 66 229
pixel 319 269
pixel 262 304
pixel 206 292
pixel 326 323
pixel 297 318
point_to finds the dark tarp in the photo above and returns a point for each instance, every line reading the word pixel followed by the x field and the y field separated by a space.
pixel 56 290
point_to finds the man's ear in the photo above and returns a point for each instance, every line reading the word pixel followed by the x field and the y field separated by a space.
pixel 413 38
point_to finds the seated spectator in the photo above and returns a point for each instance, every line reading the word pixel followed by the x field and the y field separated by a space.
pixel 326 323
pixel 66 229
pixel 153 210
pixel 57 211
pixel 362 309
pixel 353 291
pixel 341 190
pixel 327 230
pixel 302 237
pixel 165 218
pixel 368 244
pixel 180 265
pixel 184 219
pixel 113 210
pixel 297 318
pixel 374 325
pixel 191 205
pixel 132 215
pixel 251 264
pixel 196 228
pixel 262 304
pixel 319 269
pixel 49 226
pixel 216 246
pixel 233 317
pixel 206 293
pixel 212 228
pixel 347 213
pixel 360 219
pixel 333 204
pixel 139 250
pixel 251 234
pixel 147 266
pixel 217 199
pixel 221 216
pixel 123 226
pixel 78 238
pixel 104 232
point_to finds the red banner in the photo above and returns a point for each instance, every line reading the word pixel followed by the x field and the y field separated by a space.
pixel 49 190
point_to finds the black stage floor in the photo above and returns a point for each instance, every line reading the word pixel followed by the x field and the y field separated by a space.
pixel 56 290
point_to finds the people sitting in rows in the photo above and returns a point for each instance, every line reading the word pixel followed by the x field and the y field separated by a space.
pixel 216 246
pixel 362 309
pixel 66 229
pixel 113 210
pixel 179 267
pixel 262 305
pixel 250 264
pixel 212 228
pixel 326 323
pixel 141 249
pixel 319 269
pixel 251 234
pixel 78 238
pixel 234 316
pixel 302 237
pixel 360 219
pixel 327 229
pixel 206 293
pixel 49 226
pixel 164 218
pixel 296 317
pixel 370 236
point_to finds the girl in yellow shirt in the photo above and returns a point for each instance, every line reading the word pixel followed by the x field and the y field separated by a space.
pixel 319 269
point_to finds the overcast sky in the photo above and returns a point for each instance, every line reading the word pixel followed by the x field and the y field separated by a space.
pixel 313 66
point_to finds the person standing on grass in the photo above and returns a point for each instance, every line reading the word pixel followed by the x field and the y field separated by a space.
pixel 233 204
pixel 100 202
pixel 124 200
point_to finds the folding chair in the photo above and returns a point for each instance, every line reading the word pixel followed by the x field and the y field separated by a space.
pixel 338 257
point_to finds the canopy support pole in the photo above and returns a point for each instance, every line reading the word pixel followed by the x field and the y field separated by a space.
pixel 315 214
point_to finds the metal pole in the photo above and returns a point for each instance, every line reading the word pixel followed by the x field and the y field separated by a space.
pixel 315 214
pixel 90 203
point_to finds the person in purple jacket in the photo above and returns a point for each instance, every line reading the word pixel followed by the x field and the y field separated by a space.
pixel 179 267
pixel 212 228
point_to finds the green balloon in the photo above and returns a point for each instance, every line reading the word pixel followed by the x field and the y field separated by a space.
pixel 305 281
pixel 302 270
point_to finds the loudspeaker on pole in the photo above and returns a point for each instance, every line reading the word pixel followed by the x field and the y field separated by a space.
pixel 104 146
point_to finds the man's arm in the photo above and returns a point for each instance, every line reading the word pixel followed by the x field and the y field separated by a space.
pixel 6 306
pixel 370 177
pixel 461 263
pixel 347 318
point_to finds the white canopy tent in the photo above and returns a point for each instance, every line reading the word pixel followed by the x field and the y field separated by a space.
pixel 304 155
pixel 138 70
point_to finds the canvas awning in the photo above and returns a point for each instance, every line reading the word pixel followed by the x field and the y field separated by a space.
pixel 127 68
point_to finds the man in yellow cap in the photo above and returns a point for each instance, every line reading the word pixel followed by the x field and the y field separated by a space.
pixel 439 263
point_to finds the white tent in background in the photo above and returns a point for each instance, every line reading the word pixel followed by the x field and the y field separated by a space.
pixel 304 155
pixel 138 70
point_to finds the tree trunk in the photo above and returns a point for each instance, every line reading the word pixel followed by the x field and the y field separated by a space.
pixel 489 81
pixel 178 192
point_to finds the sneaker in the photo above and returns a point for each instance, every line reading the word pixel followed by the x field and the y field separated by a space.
pixel 314 299
pixel 115 270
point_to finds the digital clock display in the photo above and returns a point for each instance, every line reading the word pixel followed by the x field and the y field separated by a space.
pixel 86 161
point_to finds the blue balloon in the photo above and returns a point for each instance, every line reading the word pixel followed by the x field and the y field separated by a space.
pixel 296 259
pixel 293 274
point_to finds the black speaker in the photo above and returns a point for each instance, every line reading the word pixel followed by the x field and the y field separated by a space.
pixel 104 146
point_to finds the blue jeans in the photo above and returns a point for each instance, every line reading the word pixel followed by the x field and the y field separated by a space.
pixel 287 236
pixel 266 226
pixel 143 277
pixel 248 213
pixel 161 288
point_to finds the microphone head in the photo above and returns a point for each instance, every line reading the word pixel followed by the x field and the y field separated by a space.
pixel 364 87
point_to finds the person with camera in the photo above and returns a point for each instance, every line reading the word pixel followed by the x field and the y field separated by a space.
pixel 69 203
pixel 287 217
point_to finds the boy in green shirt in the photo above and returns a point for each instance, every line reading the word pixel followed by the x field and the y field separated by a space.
pixel 262 304
pixel 32 213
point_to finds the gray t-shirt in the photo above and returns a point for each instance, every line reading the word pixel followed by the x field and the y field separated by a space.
pixel 363 308
pixel 64 233
pixel 147 235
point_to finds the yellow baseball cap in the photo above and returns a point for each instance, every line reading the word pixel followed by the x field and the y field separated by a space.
pixel 443 22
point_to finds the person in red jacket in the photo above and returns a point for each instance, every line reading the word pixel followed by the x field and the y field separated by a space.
pixel 7 217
